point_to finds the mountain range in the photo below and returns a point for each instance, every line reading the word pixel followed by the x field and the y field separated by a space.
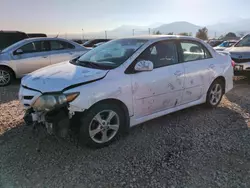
pixel 237 26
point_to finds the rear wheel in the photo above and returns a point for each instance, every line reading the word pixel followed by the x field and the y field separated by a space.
pixel 102 125
pixel 215 93
pixel 6 76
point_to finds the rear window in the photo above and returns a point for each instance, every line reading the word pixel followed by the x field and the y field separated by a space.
pixel 7 39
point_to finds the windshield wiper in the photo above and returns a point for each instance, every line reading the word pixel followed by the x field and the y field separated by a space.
pixel 90 64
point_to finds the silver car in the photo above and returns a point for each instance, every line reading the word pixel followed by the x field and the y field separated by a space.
pixel 31 54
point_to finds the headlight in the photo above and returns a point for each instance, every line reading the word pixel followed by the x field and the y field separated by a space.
pixel 49 102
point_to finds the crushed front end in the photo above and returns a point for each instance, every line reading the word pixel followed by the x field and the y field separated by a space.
pixel 47 110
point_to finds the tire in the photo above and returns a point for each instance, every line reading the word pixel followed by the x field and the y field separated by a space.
pixel 95 121
pixel 215 94
pixel 6 76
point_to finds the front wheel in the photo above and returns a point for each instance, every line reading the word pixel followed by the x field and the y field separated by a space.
pixel 102 125
pixel 5 77
pixel 214 94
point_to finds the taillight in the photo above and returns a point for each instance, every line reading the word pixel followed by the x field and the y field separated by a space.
pixel 233 63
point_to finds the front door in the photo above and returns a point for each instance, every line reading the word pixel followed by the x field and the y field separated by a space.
pixel 35 55
pixel 161 88
pixel 198 67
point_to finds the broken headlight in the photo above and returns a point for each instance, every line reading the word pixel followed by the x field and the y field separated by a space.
pixel 49 101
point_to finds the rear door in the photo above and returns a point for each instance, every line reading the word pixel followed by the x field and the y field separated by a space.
pixel 198 65
pixel 35 55
pixel 62 51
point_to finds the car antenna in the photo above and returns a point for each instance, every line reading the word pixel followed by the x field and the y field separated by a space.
pixel 57 35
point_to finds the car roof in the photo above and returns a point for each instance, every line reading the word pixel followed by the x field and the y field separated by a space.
pixel 44 38
pixel 161 37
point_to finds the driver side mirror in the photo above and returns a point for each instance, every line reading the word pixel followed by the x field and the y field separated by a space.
pixel 144 65
pixel 18 52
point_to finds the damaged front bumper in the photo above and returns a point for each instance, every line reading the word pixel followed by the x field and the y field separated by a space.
pixel 56 122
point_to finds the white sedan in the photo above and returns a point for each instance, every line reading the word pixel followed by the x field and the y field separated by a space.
pixel 101 98
pixel 31 54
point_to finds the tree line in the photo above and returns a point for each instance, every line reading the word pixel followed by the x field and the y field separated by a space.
pixel 201 34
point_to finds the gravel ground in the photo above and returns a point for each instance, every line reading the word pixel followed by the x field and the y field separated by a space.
pixel 196 147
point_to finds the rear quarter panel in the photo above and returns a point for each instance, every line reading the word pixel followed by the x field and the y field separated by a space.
pixel 223 67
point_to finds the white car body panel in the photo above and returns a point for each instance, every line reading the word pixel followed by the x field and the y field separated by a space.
pixel 147 95
pixel 23 64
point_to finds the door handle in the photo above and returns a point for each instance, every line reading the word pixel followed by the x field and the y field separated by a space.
pixel 178 73
pixel 211 66
pixel 71 53
pixel 45 56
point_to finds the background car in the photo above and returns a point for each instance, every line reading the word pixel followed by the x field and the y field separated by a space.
pixel 98 44
pixel 34 35
pixel 8 38
pixel 142 78
pixel 31 54
pixel 225 44
pixel 214 42
pixel 92 42
pixel 240 54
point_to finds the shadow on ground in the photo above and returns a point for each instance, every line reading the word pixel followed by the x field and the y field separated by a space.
pixel 240 95
pixel 196 147
pixel 9 93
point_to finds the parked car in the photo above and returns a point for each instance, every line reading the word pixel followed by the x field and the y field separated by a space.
pixel 91 43
pixel 225 44
pixel 8 38
pixel 214 42
pixel 99 100
pixel 98 44
pixel 240 54
pixel 31 54
pixel 34 35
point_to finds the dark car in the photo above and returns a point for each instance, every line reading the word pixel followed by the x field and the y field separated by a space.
pixel 34 35
pixel 8 38
pixel 214 43
pixel 91 43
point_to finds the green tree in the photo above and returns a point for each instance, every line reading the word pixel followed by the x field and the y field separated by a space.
pixel 202 33
pixel 157 33
pixel 184 34
pixel 230 34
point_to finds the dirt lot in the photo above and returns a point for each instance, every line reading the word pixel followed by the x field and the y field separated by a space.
pixel 196 147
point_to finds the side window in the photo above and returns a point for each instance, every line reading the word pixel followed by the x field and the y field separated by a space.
pixel 161 54
pixel 37 46
pixel 193 51
pixel 60 45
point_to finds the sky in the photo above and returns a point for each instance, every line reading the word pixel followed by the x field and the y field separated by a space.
pixel 73 16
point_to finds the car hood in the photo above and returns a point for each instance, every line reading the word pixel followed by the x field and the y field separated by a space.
pixel 60 76
pixel 239 52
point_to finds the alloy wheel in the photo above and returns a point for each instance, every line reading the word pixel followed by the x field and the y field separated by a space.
pixel 104 126
pixel 215 94
pixel 4 77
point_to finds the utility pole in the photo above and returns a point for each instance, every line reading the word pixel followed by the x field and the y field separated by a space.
pixel 133 32
pixel 82 34
pixel 149 31
pixel 106 35
pixel 215 35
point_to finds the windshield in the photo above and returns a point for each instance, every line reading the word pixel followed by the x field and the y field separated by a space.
pixel 113 53
pixel 11 46
pixel 244 42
